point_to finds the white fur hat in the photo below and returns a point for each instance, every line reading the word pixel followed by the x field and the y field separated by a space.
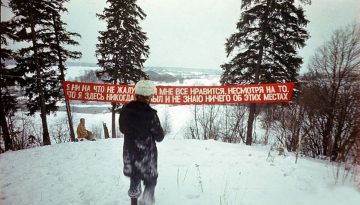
pixel 145 88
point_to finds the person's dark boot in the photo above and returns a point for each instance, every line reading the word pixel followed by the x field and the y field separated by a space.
pixel 133 201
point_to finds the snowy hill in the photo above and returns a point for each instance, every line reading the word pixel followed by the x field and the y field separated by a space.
pixel 191 172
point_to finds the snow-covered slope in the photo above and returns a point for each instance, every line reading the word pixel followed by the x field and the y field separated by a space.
pixel 191 172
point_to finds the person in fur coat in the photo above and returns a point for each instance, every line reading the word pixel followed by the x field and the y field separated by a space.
pixel 142 129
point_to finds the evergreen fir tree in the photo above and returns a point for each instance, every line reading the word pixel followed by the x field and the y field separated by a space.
pixel 264 49
pixel 60 38
pixel 121 50
pixel 8 79
pixel 34 25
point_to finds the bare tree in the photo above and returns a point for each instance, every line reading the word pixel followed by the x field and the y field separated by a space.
pixel 204 122
pixel 324 113
pixel 96 129
pixel 166 122
pixel 207 121
pixel 286 124
pixel 331 106
pixel 266 123
pixel 218 122
pixel 232 123
pixel 24 131
pixel 193 128
pixel 60 131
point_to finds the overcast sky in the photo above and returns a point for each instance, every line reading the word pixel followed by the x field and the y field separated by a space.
pixel 184 33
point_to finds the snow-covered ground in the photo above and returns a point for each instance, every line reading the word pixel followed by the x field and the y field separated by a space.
pixel 191 172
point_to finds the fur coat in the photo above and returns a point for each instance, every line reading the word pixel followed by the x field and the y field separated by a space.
pixel 141 128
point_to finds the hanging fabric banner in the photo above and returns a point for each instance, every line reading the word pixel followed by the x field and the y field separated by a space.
pixel 261 93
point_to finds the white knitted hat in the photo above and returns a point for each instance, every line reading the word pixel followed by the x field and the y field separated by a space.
pixel 145 88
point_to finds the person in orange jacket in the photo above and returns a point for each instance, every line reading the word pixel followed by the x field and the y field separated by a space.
pixel 82 132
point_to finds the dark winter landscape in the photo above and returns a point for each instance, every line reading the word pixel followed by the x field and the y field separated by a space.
pixel 305 150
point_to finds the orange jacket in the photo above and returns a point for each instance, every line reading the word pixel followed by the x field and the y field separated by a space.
pixel 81 130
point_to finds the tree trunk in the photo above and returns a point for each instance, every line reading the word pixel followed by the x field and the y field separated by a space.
pixel 62 77
pixel 106 131
pixel 252 111
pixel 250 123
pixel 196 122
pixel 69 115
pixel 326 139
pixel 331 113
pixel 4 126
pixel 46 137
pixel 357 143
pixel 336 150
pixel 3 123
pixel 113 112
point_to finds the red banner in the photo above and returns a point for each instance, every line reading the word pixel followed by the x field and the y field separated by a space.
pixel 262 93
